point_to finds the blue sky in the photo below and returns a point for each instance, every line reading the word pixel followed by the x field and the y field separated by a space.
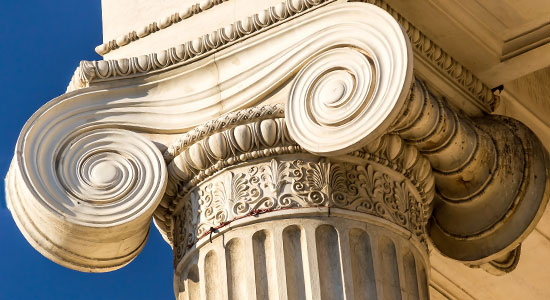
pixel 41 44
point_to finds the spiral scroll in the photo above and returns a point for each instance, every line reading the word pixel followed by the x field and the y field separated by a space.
pixel 84 198
pixel 349 94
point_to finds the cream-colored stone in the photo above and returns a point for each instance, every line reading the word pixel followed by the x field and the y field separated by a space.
pixel 284 255
pixel 298 139
pixel 195 19
pixel 498 40
pixel 305 204
pixel 91 210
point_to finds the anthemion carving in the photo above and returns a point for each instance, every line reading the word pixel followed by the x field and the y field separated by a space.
pixel 275 185
pixel 296 155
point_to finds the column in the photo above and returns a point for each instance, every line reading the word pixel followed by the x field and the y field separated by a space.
pixel 260 218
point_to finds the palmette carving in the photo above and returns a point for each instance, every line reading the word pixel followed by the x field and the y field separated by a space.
pixel 233 138
pixel 290 184
pixel 213 153
pixel 222 171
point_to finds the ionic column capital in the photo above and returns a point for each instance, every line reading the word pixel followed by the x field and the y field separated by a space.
pixel 87 174
pixel 246 164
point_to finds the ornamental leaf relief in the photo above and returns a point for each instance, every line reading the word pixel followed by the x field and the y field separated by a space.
pixel 277 185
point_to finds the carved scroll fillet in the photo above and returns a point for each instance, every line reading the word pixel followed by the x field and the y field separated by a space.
pixel 503 264
pixel 491 173
pixel 334 92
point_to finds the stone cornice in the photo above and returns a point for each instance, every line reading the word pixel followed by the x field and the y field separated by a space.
pixel 151 28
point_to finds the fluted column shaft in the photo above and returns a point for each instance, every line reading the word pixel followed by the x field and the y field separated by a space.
pixel 306 254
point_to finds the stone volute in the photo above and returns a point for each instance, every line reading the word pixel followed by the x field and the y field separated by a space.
pixel 321 167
